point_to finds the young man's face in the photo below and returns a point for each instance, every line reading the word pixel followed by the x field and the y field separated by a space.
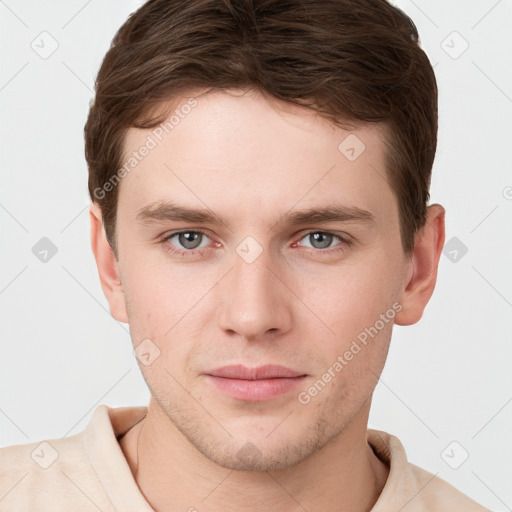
pixel 257 289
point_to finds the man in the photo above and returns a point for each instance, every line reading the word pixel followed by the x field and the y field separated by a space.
pixel 259 175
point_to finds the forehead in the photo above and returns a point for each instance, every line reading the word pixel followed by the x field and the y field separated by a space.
pixel 239 150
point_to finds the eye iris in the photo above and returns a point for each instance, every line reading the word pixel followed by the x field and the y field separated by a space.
pixel 188 239
pixel 325 239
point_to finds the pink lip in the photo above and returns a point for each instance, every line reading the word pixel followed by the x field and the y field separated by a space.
pixel 255 384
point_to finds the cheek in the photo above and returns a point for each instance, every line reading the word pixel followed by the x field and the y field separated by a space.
pixel 352 298
pixel 159 295
pixel 358 304
pixel 171 307
pixel 160 308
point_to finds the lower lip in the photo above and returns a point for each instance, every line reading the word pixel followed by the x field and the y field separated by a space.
pixel 256 390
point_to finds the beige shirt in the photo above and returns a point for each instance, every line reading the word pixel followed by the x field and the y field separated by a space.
pixel 88 472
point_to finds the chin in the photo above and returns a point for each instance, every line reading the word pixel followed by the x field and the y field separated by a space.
pixel 264 451
pixel 251 458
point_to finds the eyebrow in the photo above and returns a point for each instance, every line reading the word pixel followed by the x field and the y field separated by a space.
pixel 170 211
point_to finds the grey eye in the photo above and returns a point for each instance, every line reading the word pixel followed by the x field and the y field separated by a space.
pixel 320 240
pixel 189 239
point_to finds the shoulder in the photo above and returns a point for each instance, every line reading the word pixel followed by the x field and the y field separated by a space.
pixel 410 488
pixel 50 475
pixel 441 496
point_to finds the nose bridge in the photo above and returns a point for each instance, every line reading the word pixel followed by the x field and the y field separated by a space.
pixel 255 300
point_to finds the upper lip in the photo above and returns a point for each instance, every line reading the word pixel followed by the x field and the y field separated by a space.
pixel 268 371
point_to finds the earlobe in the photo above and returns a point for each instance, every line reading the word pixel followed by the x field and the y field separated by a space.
pixel 421 271
pixel 108 266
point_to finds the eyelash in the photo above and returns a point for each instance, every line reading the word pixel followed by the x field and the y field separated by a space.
pixel 344 243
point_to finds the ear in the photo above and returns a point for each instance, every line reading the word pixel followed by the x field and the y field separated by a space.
pixel 108 266
pixel 421 268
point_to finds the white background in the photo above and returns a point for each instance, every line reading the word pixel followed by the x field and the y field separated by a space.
pixel 447 378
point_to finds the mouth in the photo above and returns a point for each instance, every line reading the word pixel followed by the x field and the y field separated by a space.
pixel 255 384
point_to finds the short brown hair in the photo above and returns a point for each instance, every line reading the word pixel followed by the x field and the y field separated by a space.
pixel 350 60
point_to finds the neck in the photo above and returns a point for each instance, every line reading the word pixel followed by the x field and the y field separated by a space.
pixel 173 474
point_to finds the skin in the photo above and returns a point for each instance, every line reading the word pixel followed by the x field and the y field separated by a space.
pixel 251 160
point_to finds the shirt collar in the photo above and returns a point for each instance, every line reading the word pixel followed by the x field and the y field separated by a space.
pixel 108 424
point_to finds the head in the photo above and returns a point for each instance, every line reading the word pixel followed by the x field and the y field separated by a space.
pixel 259 176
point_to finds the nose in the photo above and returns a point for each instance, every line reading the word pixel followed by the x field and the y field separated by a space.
pixel 255 300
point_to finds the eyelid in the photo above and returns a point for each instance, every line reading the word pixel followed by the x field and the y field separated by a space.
pixel 170 234
pixel 340 234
